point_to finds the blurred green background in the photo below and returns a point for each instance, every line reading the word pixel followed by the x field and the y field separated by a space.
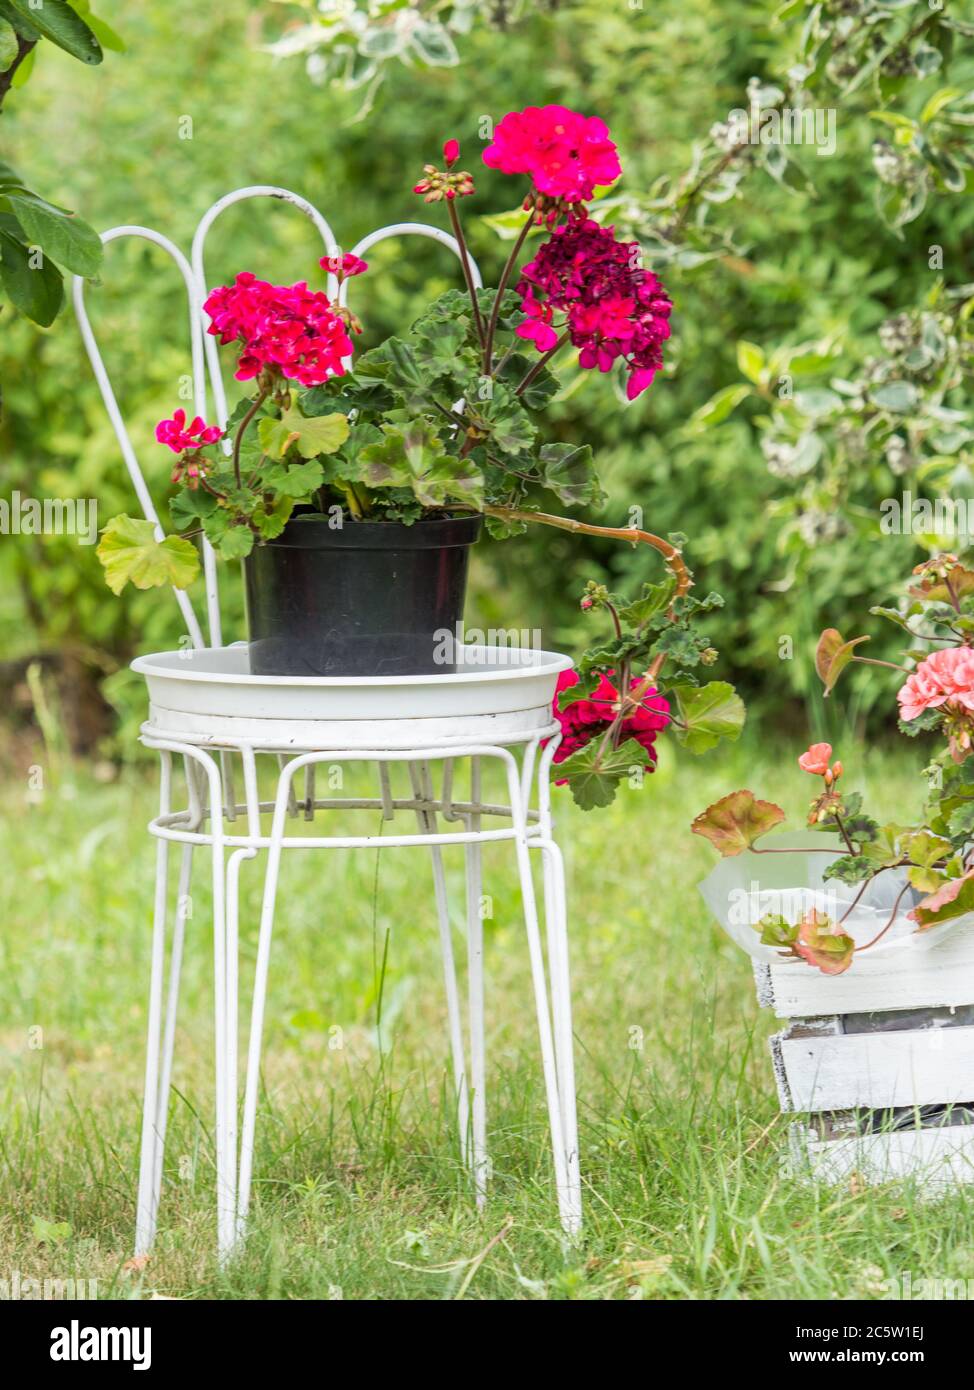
pixel 197 106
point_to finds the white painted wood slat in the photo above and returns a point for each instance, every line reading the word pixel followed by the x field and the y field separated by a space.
pixel 939 1158
pixel 930 1066
pixel 916 975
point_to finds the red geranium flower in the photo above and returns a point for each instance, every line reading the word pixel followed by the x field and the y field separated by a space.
pixel 584 720
pixel 565 154
pixel 285 328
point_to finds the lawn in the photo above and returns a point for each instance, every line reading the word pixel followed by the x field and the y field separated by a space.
pixel 358 1189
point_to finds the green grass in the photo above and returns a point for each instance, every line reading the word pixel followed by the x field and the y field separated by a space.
pixel 358 1190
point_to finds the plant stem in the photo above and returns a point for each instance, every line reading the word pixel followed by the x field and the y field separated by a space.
pixel 255 406
pixel 541 363
pixel 24 47
pixel 501 287
pixel 467 272
pixel 892 918
pixel 874 661
pixel 842 831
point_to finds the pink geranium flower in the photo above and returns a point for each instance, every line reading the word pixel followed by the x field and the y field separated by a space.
pixel 816 759
pixel 944 678
pixel 179 436
pixel 565 154
pixel 586 719
pixel 344 266
pixel 282 328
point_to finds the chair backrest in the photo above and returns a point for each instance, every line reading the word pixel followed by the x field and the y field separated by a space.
pixel 204 351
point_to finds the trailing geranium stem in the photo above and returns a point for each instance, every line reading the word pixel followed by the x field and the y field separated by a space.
pixel 467 272
pixel 892 918
pixel 501 287
pixel 671 555
pixel 238 438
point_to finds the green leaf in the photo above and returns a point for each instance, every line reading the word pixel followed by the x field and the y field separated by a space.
pixel 707 713
pixel 19 22
pixel 130 553
pixel 883 852
pixel 37 291
pixel 733 823
pixel 433 44
pixel 9 47
pixel 832 656
pixel 57 21
pixel 270 518
pixel 850 868
pixel 236 543
pixel 896 396
pixel 297 480
pixel 961 821
pixel 62 235
pixel 937 102
pixel 954 898
pixel 510 425
pixel 717 409
pixel 593 777
pixel 413 456
pixel 750 360
pixel 105 34
pixel 189 506
pixel 655 598
pixel 925 849
pixel 776 931
pixel 320 434
pixel 317 434
pixel 507 225
pixel 569 472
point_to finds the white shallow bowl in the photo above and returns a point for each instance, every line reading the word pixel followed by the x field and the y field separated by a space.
pixel 209 696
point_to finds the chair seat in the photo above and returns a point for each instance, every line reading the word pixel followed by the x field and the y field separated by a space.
pixel 208 697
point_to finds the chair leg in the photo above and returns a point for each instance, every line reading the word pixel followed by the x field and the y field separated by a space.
pixel 561 1004
pixel 145 1210
pixel 423 790
pixel 169 1034
pixel 475 996
pixel 284 792
pixel 569 1219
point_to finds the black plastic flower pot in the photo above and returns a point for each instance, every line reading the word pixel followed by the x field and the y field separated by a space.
pixel 371 598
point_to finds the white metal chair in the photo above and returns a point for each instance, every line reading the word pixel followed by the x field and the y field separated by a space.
pixel 209 712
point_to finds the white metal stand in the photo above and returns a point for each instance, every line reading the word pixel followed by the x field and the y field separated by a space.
pixel 220 722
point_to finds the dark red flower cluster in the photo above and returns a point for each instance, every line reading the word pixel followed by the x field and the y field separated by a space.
pixel 613 307
pixel 285 328
pixel 584 720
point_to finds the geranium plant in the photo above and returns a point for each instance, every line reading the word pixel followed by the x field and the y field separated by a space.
pixel 933 855
pixel 444 420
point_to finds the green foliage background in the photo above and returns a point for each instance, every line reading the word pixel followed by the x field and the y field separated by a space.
pixel 195 107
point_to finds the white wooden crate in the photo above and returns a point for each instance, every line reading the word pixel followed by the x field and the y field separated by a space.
pixel 895 1033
